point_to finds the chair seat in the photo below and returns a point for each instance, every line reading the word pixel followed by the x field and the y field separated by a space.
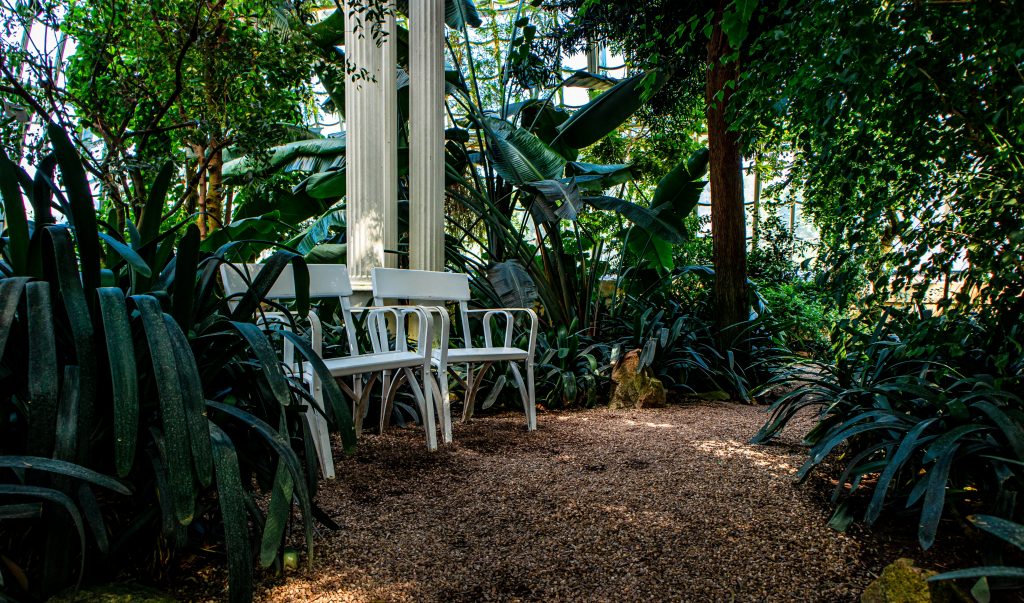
pixel 459 355
pixel 351 365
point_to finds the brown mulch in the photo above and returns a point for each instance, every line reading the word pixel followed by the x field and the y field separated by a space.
pixel 663 504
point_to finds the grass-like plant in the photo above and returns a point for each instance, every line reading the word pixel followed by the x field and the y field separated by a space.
pixel 921 405
pixel 140 416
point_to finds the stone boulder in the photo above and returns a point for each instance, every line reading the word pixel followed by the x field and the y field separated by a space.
pixel 633 387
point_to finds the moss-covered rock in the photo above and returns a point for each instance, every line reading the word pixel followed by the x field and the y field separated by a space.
pixel 903 582
pixel 115 593
pixel 633 387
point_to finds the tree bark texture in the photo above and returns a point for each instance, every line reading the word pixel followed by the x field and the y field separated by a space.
pixel 728 220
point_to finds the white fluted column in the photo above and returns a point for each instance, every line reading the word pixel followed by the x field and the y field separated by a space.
pixel 389 161
pixel 366 208
pixel 426 136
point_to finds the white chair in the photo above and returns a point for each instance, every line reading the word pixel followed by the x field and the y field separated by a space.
pixel 332 281
pixel 424 287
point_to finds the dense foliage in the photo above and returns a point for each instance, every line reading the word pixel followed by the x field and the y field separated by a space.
pixel 900 132
pixel 119 358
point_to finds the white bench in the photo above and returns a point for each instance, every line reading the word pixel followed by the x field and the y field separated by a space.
pixel 420 286
pixel 332 281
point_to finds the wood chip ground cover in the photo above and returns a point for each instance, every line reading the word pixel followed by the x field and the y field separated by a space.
pixel 663 504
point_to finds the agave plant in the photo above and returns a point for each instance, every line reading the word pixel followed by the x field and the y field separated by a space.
pixel 119 358
pixel 900 410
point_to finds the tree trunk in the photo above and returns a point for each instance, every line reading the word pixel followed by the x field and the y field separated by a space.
pixel 215 190
pixel 728 222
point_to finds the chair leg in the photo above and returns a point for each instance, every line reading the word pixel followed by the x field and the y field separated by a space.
pixel 385 407
pixel 441 403
pixel 446 408
pixel 467 411
pixel 526 393
pixel 318 429
pixel 357 417
pixel 425 402
pixel 532 391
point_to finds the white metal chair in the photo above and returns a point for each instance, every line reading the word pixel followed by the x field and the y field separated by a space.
pixel 423 286
pixel 332 281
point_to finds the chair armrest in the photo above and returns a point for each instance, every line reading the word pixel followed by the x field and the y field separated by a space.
pixel 509 323
pixel 316 333
pixel 379 339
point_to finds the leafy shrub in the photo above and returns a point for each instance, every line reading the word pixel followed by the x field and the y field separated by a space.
pixel 120 358
pixel 920 402
pixel 571 369
pixel 796 317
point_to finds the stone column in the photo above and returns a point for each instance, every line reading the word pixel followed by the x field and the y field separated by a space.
pixel 426 117
pixel 364 114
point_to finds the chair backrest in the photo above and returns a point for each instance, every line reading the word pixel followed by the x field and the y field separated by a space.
pixel 395 283
pixel 424 286
pixel 325 280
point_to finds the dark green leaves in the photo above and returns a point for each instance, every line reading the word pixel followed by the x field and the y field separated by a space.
pixel 513 284
pixel 519 156
pixel 638 215
pixel 123 376
pixel 604 114
pixel 233 514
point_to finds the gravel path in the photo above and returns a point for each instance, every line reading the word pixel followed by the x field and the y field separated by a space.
pixel 666 504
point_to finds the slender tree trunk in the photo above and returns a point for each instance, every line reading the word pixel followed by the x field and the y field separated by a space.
pixel 201 189
pixel 215 190
pixel 728 222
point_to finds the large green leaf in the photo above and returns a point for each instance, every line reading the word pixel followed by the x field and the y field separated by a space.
pixel 76 306
pixel 285 456
pixel 554 200
pixel 324 185
pixel 123 376
pixel 58 498
pixel 327 227
pixel 186 264
pixel 65 469
pixel 230 495
pixel 79 196
pixel 460 13
pixel 935 496
pixel 457 13
pixel 11 289
pixel 908 445
pixel 513 284
pixel 542 117
pixel 640 216
pixel 178 456
pixel 315 155
pixel 590 81
pixel 604 114
pixel 329 31
pixel 519 156
pixel 43 369
pixel 679 191
pixel 597 178
pixel 14 215
pixel 194 403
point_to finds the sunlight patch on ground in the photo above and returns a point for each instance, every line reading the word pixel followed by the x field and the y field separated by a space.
pixel 649 424
pixel 735 450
